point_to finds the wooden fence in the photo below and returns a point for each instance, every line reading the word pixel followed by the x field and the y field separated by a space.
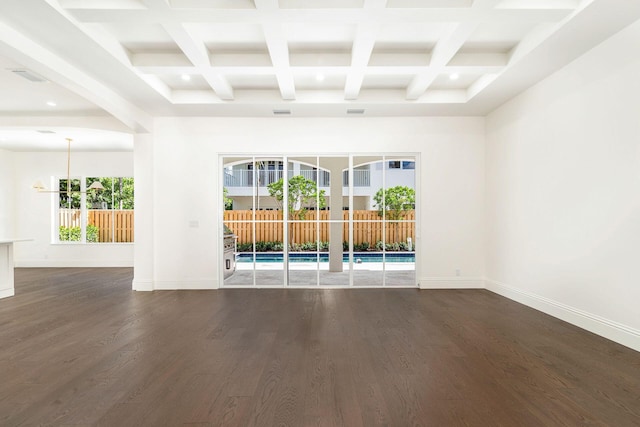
pixel 106 220
pixel 367 227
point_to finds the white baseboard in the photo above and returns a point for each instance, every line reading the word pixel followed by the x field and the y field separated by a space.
pixel 609 329
pixel 8 292
pixel 142 285
pixel 70 263
pixel 171 285
pixel 451 283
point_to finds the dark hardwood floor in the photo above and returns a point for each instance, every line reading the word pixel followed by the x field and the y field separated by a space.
pixel 79 348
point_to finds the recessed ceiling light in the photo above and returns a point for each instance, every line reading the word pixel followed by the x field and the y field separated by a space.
pixel 454 76
pixel 185 77
pixel 320 77
pixel 51 104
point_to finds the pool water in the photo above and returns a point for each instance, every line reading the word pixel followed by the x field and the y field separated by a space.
pixel 364 257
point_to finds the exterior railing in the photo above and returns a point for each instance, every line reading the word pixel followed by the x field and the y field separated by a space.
pixel 246 178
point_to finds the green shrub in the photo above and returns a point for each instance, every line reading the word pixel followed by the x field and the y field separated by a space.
pixel 73 234
pixel 92 234
pixel 245 247
pixel 69 234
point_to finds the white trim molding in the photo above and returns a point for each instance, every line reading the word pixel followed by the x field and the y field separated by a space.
pixel 606 328
pixel 181 285
pixel 142 285
pixel 8 292
pixel 454 282
pixel 69 263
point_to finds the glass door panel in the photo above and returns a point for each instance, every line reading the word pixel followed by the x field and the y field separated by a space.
pixel 238 232
pixel 367 224
pixel 305 198
pixel 268 202
pixel 400 221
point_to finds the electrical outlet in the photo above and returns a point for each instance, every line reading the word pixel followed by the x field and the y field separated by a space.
pixel 457 272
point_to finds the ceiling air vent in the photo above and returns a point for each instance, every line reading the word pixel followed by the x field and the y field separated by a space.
pixel 355 111
pixel 281 112
pixel 45 131
pixel 29 75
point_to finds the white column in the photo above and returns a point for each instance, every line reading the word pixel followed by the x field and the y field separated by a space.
pixel 335 205
pixel 143 258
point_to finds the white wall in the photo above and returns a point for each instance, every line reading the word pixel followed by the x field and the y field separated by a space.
pixel 7 186
pixel 186 168
pixel 34 210
pixel 563 192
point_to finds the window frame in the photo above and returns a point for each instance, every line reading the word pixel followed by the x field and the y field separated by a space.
pixel 84 211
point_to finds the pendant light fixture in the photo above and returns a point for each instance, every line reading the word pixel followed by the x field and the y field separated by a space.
pixel 96 185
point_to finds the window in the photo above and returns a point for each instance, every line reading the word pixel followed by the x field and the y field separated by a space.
pixel 69 210
pixel 408 165
pixel 96 216
pixel 394 164
pixel 401 164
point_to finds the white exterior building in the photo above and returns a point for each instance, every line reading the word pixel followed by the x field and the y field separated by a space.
pixel 239 180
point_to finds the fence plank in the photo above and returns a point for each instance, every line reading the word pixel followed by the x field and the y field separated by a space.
pixel 106 220
pixel 367 227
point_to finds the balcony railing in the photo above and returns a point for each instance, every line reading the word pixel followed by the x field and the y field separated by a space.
pixel 246 178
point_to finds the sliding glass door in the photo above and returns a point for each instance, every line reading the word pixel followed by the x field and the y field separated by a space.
pixel 319 221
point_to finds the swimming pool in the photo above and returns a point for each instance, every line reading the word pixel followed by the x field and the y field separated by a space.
pixel 324 257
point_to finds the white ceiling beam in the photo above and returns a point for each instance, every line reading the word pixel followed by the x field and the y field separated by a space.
pixel 23 50
pixel 361 50
pixel 197 53
pixel 278 49
pixel 113 47
pixel 363 45
pixel 322 16
pixel 194 50
pixel 445 49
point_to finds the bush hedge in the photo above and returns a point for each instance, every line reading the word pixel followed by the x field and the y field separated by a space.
pixel 263 246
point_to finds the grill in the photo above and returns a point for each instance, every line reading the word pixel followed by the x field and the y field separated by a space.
pixel 229 245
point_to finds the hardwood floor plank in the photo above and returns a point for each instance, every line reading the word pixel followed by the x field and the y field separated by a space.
pixel 78 347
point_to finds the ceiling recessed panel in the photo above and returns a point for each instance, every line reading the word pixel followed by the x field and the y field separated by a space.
pixel 142 38
pixel 229 36
pixel 253 82
pixel 301 36
pixel 320 4
pixel 212 4
pixel 445 82
pixel 496 38
pixel 386 81
pixel 399 35
pixel 180 82
pixel 319 81
pixel 414 4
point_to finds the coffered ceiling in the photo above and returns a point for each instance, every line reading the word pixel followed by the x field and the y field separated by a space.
pixel 136 59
